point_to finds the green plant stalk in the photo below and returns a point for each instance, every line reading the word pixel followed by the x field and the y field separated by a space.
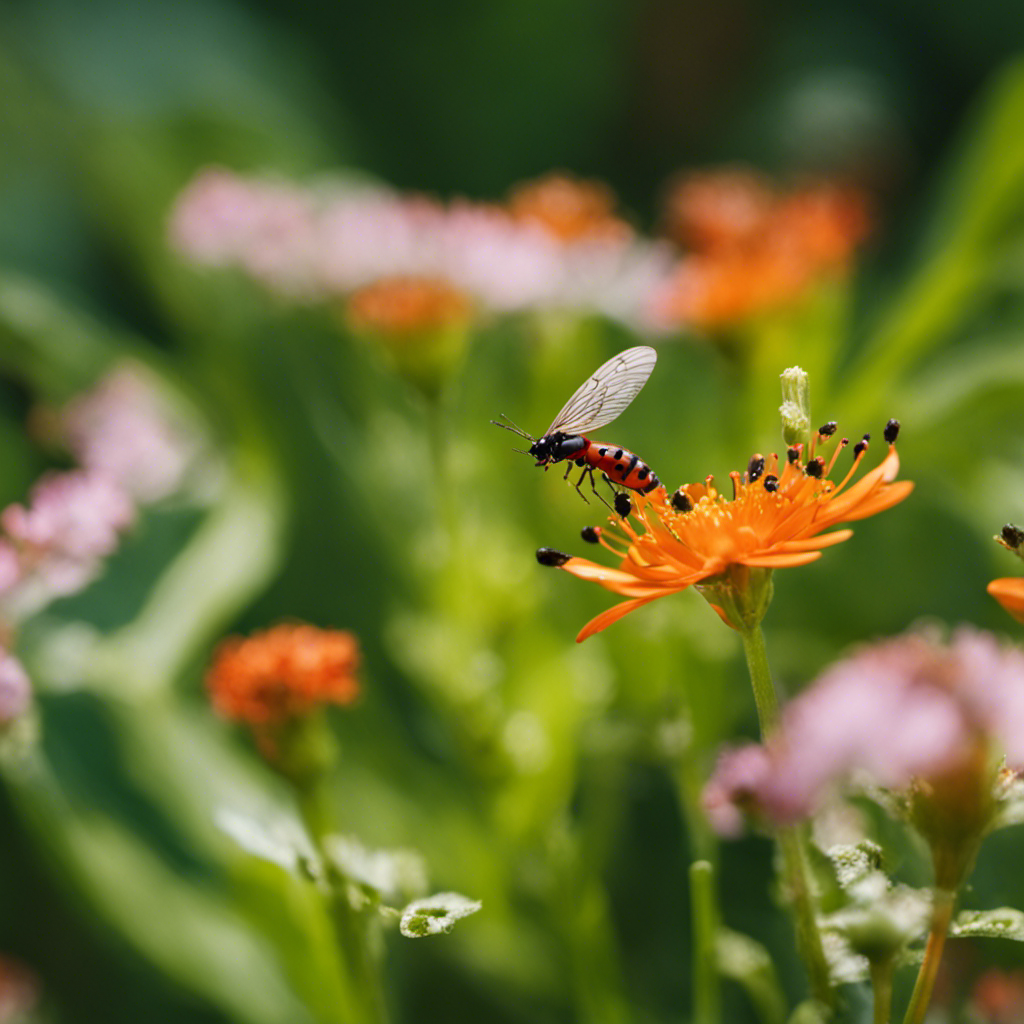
pixel 707 996
pixel 597 994
pixel 689 783
pixel 881 987
pixel 580 898
pixel 349 927
pixel 792 843
pixel 942 914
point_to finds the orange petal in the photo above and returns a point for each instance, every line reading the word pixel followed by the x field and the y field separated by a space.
pixel 814 543
pixel 613 614
pixel 594 573
pixel 889 495
pixel 781 561
pixel 621 582
pixel 1009 592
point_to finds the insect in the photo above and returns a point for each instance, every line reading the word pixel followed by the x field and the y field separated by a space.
pixel 598 401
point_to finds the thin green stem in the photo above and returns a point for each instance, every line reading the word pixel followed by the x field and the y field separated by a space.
pixel 942 914
pixel 349 925
pixel 791 839
pixel 881 987
pixel 765 697
pixel 596 980
pixel 581 899
pixel 689 780
pixel 707 997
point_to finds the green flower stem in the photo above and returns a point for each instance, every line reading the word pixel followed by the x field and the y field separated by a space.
pixel 689 779
pixel 580 897
pixel 350 931
pixel 596 979
pixel 942 914
pixel 707 997
pixel 791 840
pixel 881 986
pixel 765 698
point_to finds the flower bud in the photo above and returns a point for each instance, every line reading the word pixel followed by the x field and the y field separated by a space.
pixel 796 406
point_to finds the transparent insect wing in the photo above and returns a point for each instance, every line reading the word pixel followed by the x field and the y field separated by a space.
pixel 607 392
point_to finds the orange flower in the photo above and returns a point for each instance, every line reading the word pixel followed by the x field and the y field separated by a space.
pixel 714 290
pixel 753 248
pixel 283 673
pixel 569 208
pixel 715 210
pixel 1009 592
pixel 407 306
pixel 775 520
pixel 825 221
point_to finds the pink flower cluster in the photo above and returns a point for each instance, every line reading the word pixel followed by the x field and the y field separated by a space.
pixel 123 431
pixel 54 545
pixel 322 243
pixel 907 708
pixel 129 453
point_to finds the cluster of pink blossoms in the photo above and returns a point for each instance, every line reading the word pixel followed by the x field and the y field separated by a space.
pixel 54 545
pixel 910 708
pixel 322 243
pixel 122 430
pixel 736 245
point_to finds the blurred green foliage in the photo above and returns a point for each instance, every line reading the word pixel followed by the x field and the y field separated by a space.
pixel 557 784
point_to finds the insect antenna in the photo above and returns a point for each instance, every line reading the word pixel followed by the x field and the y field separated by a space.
pixel 509 425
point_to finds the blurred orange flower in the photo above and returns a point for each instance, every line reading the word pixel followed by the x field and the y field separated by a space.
pixel 282 673
pixel 998 997
pixel 711 211
pixel 774 520
pixel 752 248
pixel 407 306
pixel 569 208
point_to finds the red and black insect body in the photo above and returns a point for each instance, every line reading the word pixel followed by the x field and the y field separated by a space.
pixel 598 401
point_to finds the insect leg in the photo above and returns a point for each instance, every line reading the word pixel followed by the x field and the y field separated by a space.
pixel 589 471
pixel 586 470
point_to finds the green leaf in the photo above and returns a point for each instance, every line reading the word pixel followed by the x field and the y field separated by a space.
pixel 55 348
pixel 971 234
pixel 985 366
pixel 278 840
pixel 810 1012
pixel 1002 923
pixel 845 965
pixel 745 961
pixel 394 875
pixel 232 553
pixel 190 930
pixel 436 914
pixel 853 862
